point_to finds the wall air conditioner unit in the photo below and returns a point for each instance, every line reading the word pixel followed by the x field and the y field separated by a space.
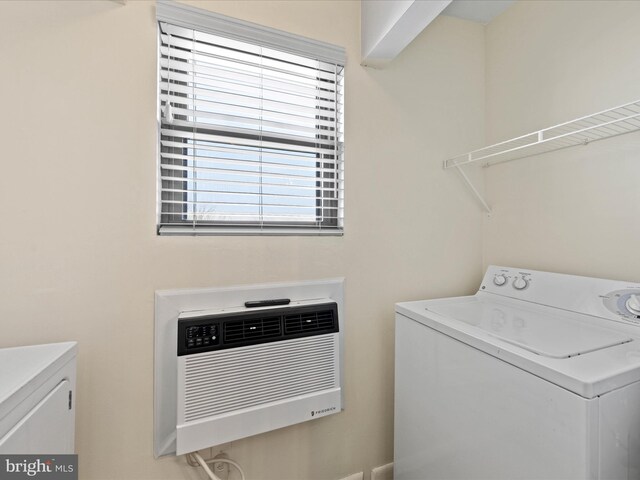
pixel 226 372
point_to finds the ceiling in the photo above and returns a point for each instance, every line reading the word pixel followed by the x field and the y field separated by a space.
pixel 388 26
pixel 481 11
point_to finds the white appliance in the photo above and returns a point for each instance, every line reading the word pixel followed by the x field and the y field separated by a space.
pixel 537 375
pixel 225 371
pixel 37 401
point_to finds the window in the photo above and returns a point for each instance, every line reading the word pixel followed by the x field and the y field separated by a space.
pixel 250 128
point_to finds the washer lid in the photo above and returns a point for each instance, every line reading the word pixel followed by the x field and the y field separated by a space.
pixel 24 369
pixel 556 334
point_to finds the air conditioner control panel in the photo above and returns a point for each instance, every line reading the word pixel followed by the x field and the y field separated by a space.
pixel 201 335
pixel 198 335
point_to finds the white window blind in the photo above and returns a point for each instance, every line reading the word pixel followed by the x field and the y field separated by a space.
pixel 251 132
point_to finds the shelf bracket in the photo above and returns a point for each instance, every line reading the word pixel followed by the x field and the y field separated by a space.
pixel 473 189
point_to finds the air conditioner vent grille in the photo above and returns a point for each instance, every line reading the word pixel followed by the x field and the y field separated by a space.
pixel 254 329
pixel 224 381
pixel 309 322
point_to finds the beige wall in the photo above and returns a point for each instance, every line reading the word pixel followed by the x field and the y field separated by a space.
pixel 574 211
pixel 80 259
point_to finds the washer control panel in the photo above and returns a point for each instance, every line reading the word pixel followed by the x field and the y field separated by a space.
pixel 517 280
pixel 625 303
pixel 611 299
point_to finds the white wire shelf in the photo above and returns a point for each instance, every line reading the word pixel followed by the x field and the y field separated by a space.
pixel 581 131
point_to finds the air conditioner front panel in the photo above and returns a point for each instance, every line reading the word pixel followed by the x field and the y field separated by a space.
pixel 226 370
pixel 218 382
pixel 263 418
pixel 229 394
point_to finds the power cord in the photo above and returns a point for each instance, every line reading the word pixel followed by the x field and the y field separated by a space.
pixel 204 464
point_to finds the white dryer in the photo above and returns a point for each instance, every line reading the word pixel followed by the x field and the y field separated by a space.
pixel 536 376
pixel 37 399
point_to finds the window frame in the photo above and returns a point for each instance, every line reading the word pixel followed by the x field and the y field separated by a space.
pixel 184 16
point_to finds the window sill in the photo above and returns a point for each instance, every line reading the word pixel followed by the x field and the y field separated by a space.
pixel 166 230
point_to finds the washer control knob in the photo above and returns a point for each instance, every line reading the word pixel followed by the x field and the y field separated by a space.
pixel 499 280
pixel 633 304
pixel 520 283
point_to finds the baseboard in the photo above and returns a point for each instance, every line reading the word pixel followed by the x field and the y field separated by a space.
pixel 383 472
pixel 354 476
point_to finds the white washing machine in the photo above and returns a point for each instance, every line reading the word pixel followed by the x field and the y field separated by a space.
pixel 37 399
pixel 536 376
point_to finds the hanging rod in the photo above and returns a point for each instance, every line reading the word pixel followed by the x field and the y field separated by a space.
pixel 581 131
